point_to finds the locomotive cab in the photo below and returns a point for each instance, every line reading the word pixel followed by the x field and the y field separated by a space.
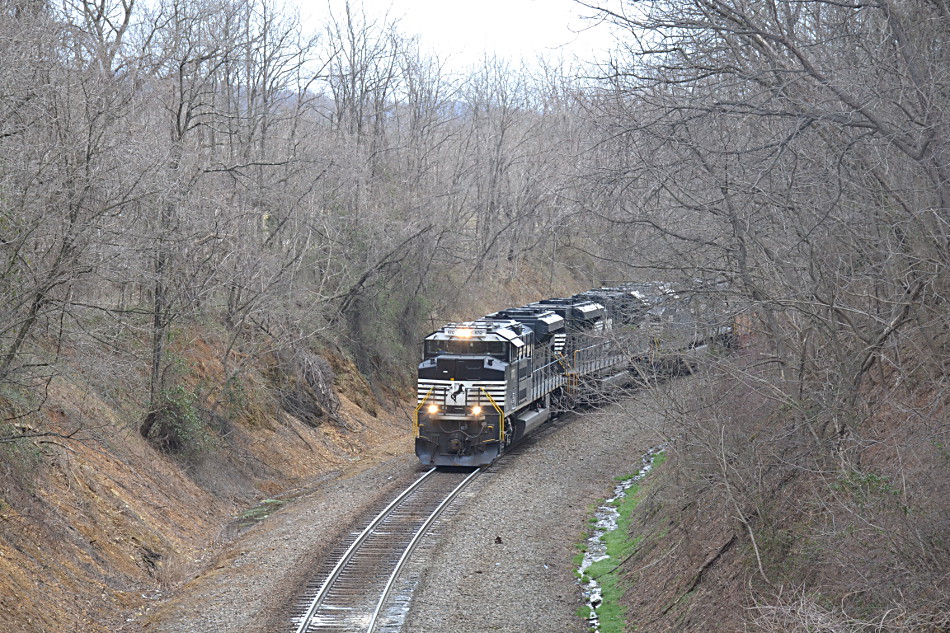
pixel 462 390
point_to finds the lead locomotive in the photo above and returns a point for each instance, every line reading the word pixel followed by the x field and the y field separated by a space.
pixel 485 384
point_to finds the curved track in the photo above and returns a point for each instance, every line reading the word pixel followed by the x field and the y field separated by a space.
pixel 352 594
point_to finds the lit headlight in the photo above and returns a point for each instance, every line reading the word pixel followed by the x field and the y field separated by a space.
pixel 476 410
pixel 433 408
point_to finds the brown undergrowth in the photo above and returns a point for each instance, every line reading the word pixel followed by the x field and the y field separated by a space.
pixel 764 520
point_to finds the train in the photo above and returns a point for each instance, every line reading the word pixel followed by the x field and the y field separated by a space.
pixel 483 385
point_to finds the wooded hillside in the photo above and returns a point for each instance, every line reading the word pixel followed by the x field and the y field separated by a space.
pixel 190 170
pixel 798 150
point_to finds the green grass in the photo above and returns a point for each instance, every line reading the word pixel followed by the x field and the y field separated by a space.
pixel 612 615
pixel 619 546
pixel 579 556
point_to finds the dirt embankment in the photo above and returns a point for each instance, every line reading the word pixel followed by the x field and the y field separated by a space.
pixel 501 561
pixel 758 521
pixel 96 528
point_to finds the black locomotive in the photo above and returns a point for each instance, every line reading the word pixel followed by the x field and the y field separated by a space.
pixel 485 384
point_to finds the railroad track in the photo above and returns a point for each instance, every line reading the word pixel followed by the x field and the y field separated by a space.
pixel 354 590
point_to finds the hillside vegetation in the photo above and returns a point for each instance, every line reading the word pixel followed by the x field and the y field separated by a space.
pixel 800 150
pixel 222 237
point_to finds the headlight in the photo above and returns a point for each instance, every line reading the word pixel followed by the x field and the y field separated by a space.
pixel 476 410
pixel 433 408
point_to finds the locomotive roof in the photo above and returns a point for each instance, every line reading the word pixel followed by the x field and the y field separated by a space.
pixel 620 302
pixel 540 314
pixel 579 308
pixel 542 321
pixel 483 329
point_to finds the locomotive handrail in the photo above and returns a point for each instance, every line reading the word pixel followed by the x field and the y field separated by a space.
pixel 501 415
pixel 415 413
pixel 562 359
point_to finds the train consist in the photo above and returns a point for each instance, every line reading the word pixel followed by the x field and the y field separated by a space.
pixel 485 384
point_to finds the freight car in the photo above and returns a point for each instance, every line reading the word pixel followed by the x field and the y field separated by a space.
pixel 485 384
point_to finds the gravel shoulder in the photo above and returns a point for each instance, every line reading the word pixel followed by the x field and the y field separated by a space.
pixel 505 561
pixel 502 563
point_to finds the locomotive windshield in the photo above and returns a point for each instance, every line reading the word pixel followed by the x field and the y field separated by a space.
pixel 466 347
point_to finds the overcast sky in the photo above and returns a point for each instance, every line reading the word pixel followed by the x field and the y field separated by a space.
pixel 462 31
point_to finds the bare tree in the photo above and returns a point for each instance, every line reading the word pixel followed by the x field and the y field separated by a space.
pixel 759 152
pixel 66 181
pixel 797 152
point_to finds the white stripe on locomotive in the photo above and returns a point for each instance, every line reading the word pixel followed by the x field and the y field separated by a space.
pixel 495 388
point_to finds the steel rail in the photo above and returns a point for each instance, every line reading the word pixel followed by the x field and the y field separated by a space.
pixel 318 599
pixel 412 546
